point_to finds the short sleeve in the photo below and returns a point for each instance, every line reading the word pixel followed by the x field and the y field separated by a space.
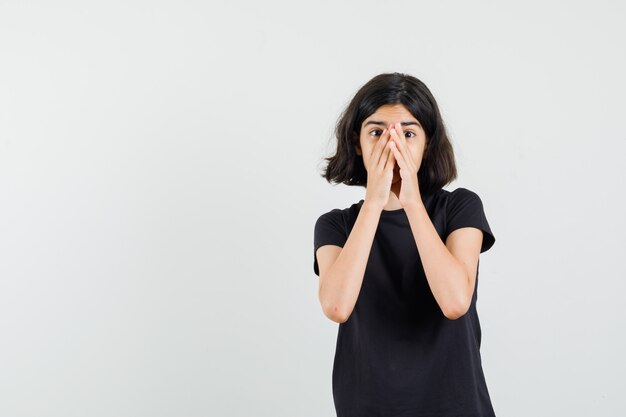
pixel 465 209
pixel 329 230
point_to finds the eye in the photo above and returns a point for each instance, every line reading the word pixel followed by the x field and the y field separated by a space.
pixel 373 133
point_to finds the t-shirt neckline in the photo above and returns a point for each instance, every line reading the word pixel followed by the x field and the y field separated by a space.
pixel 385 213
pixel 396 212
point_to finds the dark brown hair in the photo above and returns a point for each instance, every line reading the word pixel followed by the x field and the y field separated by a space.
pixel 438 167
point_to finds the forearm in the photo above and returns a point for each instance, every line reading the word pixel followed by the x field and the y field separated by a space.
pixel 340 289
pixel 446 276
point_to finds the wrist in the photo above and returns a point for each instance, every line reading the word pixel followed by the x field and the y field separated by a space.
pixel 417 204
pixel 371 206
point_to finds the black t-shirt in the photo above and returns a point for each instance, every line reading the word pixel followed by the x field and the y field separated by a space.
pixel 397 354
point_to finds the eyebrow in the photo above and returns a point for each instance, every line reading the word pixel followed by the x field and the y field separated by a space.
pixel 378 122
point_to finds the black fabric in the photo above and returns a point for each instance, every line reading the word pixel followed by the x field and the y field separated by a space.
pixel 397 354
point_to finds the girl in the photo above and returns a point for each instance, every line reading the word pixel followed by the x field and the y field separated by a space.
pixel 399 269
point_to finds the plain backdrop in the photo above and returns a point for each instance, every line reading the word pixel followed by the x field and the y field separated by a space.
pixel 160 179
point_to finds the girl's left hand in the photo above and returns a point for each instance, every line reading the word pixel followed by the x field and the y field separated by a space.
pixel 409 190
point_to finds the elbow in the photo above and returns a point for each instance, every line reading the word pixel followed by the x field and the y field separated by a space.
pixel 458 306
pixel 336 314
pixel 332 308
pixel 456 311
pixel 334 311
pixel 453 315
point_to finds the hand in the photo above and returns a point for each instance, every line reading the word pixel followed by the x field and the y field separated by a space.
pixel 409 189
pixel 380 172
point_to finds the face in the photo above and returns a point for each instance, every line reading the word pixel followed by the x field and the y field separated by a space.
pixel 384 117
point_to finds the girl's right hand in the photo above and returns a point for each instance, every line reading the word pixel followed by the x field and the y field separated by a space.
pixel 380 172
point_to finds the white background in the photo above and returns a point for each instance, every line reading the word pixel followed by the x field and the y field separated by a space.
pixel 160 179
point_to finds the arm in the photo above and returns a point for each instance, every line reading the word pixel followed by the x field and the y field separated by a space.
pixel 342 269
pixel 450 268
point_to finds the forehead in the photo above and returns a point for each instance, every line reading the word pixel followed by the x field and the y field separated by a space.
pixel 391 113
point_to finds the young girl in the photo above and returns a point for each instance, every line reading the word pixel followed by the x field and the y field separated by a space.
pixel 399 269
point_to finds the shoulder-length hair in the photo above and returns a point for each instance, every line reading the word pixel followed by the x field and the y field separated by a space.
pixel 438 167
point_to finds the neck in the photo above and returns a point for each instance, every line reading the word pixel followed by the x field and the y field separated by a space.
pixel 394 203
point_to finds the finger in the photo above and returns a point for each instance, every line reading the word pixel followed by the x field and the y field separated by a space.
pixel 396 132
pixel 401 134
pixel 398 156
pixel 385 155
pixel 382 144
pixel 401 144
pixel 378 148
pixel 391 159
